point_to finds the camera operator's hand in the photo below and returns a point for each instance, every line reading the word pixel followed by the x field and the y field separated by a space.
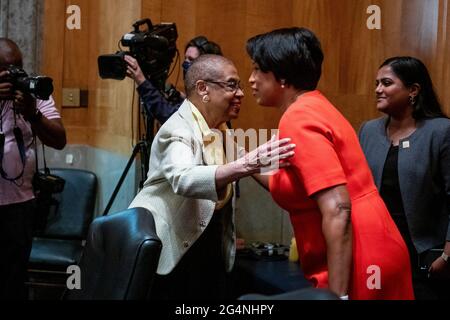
pixel 134 71
pixel 5 87
pixel 25 104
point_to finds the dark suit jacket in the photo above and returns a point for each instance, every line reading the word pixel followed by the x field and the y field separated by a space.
pixel 424 176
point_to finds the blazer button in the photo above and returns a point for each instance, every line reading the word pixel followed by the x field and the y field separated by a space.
pixel 202 224
pixel 185 244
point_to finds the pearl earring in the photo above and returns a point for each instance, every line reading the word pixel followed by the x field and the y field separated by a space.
pixel 206 99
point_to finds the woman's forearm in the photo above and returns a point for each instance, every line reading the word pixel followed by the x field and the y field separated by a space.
pixel 228 173
pixel 338 236
pixel 335 206
pixel 263 180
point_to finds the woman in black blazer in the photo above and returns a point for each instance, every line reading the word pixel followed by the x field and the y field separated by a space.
pixel 408 151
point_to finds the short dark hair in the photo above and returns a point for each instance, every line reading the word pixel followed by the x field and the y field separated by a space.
pixel 204 46
pixel 411 70
pixel 292 54
pixel 9 48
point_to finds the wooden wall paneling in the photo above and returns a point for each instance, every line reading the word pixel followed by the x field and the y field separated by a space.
pixel 53 44
pixel 226 23
pixel 444 91
pixel 408 28
pixel 420 27
pixel 358 63
pixel 260 17
pixel 152 9
pixel 352 52
pixel 227 28
pixel 75 72
pixel 114 112
pixel 349 50
pixel 183 14
pixel 230 30
pixel 415 28
pixel 71 55
pixel 319 17
pixel 440 68
pixel 76 45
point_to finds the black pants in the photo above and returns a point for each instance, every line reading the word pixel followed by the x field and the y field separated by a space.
pixel 16 227
pixel 201 273
pixel 424 288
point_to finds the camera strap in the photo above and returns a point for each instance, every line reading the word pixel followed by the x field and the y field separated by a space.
pixel 21 147
pixel 46 169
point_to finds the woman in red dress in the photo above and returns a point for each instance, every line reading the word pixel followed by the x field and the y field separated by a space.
pixel 346 239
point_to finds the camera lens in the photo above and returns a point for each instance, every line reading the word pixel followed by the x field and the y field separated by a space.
pixel 41 87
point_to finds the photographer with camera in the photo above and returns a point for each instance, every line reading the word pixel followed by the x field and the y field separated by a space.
pixel 161 105
pixel 26 109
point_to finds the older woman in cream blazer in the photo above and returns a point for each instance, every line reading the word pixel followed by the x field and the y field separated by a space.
pixel 189 185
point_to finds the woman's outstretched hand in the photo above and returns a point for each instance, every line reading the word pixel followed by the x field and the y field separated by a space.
pixel 268 155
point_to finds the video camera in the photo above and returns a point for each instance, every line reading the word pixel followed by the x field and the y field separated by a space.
pixel 40 87
pixel 154 49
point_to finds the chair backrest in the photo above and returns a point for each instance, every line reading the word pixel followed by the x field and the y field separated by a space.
pixel 120 258
pixel 76 205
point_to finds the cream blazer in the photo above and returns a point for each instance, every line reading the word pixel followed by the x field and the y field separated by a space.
pixel 180 191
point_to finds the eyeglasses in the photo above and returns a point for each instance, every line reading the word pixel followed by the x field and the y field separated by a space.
pixel 231 86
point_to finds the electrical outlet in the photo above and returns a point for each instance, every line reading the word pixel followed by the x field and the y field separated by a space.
pixel 71 97
pixel 69 158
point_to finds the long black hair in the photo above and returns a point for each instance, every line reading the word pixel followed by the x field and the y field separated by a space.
pixel 411 70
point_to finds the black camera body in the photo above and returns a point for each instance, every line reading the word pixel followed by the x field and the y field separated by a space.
pixel 154 50
pixel 40 87
pixel 45 185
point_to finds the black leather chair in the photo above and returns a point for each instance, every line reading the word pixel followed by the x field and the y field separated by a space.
pixel 120 258
pixel 61 243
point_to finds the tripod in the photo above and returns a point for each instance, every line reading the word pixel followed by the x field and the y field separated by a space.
pixel 143 149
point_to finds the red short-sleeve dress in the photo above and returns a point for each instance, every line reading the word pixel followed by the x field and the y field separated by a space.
pixel 328 154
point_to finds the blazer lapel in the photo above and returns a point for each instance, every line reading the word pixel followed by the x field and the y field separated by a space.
pixel 186 113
